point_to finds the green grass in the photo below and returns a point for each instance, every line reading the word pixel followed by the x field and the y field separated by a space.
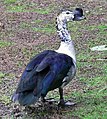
pixel 16 8
pixel 9 1
pixel 92 100
pixel 37 21
pixel 42 27
pixel 25 25
pixel 41 11
pixel 29 54
pixel 100 27
pixel 2 75
pixel 93 111
pixel 5 43
pixel 27 8
pixel 4 79
pixel 93 96
pixel 9 76
pixel 46 28
pixel 5 99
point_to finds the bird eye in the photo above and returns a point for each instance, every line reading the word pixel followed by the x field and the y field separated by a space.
pixel 67 12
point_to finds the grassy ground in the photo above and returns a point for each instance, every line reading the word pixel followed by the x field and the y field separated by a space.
pixel 27 27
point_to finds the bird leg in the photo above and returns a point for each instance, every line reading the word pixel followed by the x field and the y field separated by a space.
pixel 62 103
pixel 43 99
pixel 50 100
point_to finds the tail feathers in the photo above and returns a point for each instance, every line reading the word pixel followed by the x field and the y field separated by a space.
pixel 15 97
pixel 25 99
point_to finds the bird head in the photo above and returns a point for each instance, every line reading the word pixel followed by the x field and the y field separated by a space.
pixel 78 14
pixel 75 15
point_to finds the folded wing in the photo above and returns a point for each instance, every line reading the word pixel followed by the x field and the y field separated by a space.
pixel 43 73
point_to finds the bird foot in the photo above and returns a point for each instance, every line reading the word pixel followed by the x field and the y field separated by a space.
pixel 62 103
pixel 49 100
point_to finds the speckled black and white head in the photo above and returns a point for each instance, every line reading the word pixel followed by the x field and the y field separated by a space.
pixel 68 15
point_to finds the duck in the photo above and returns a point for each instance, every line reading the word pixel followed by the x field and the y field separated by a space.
pixel 50 69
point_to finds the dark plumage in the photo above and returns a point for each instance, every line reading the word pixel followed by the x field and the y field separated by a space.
pixel 50 69
pixel 43 73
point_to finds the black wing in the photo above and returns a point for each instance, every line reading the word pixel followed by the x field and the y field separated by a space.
pixel 28 78
pixel 45 72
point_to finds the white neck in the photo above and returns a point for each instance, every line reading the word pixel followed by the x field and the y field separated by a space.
pixel 68 49
pixel 66 46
